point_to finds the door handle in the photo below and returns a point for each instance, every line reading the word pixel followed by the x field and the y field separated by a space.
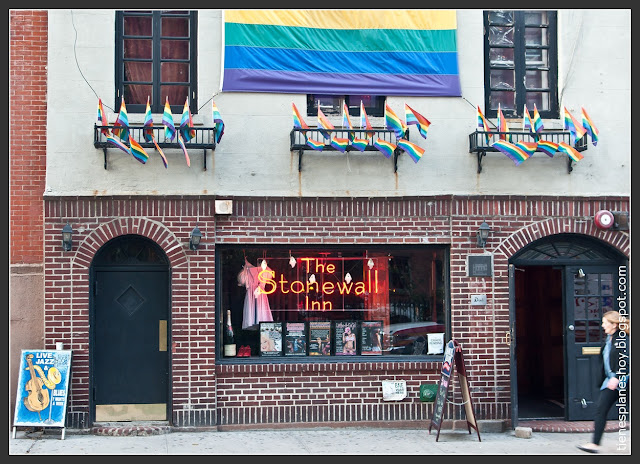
pixel 507 338
pixel 571 327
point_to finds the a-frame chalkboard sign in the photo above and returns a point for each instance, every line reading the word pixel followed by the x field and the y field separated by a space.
pixel 453 357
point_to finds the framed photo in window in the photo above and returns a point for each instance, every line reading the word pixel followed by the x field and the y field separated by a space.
pixel 295 338
pixel 319 338
pixel 371 338
pixel 271 339
pixel 345 338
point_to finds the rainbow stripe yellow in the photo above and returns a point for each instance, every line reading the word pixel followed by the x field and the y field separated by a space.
pixel 339 144
pixel 324 125
pixel 515 153
pixel 413 150
pixel 547 147
pixel 137 151
pixel 571 152
pixel 393 122
pixel 413 117
pixel 571 124
pixel 591 129
pixel 386 148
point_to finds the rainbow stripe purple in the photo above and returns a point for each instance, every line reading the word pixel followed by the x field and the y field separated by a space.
pixel 591 129
pixel 528 147
pixel 137 151
pixel 413 150
pixel 360 144
pixel 148 133
pixel 574 154
pixel 339 143
pixel 413 117
pixel 547 147
pixel 298 122
pixel 393 122
pixel 346 121
pixel 186 123
pixel 386 148
pixel 167 120
pixel 537 120
pixel 111 139
pixel 123 122
pixel 347 52
pixel 527 122
pixel 484 125
pixel 364 121
pixel 502 125
pixel 218 123
pixel 571 124
pixel 325 124
pixel 102 118
pixel 315 144
pixel 184 149
pixel 515 153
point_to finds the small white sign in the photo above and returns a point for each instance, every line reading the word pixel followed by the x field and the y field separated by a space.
pixel 479 300
pixel 394 390
pixel 435 343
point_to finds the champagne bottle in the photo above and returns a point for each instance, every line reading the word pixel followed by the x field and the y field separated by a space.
pixel 229 338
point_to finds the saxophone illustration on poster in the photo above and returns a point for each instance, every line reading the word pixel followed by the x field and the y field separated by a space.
pixel 43 385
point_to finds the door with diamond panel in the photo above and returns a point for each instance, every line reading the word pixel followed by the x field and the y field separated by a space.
pixel 130 357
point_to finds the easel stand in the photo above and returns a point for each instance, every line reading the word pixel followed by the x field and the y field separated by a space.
pixel 453 357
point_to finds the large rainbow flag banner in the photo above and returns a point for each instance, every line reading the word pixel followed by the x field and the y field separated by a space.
pixel 368 52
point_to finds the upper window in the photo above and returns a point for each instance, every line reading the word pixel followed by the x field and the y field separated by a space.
pixel 331 301
pixel 156 58
pixel 332 104
pixel 521 63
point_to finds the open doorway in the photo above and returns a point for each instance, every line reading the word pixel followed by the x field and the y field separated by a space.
pixel 539 342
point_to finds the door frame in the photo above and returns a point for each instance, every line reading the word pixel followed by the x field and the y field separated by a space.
pixel 161 264
pixel 595 252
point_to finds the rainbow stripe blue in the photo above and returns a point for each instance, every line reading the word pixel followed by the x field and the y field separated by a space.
pixel 186 123
pixel 324 125
pixel 137 151
pixel 386 148
pixel 122 121
pixel 515 153
pixel 537 120
pixel 483 124
pixel 184 149
pixel 364 121
pixel 346 121
pixel 315 144
pixel 360 144
pixel 167 120
pixel 571 152
pixel 111 139
pixel 502 126
pixel 102 118
pixel 393 122
pixel 217 121
pixel 591 129
pixel 148 133
pixel 547 147
pixel 413 150
pixel 339 143
pixel 571 124
pixel 357 52
pixel 413 117
pixel 528 147
pixel 298 122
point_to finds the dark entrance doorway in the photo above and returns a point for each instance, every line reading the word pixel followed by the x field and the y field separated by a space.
pixel 129 331
pixel 559 288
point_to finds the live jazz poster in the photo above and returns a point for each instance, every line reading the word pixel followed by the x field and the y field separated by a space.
pixel 43 386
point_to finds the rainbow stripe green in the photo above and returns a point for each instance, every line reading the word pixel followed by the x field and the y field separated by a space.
pixel 148 133
pixel 217 121
pixel 571 152
pixel 360 144
pixel 528 147
pixel 393 122
pixel 413 117
pixel 413 150
pixel 137 151
pixel 167 120
pixel 111 139
pixel 122 121
pixel 502 126
pixel 315 144
pixel 483 124
pixel 339 143
pixel 184 149
pixel 356 52
pixel 591 129
pixel 186 123
pixel 547 147
pixel 324 123
pixel 364 121
pixel 346 121
pixel 298 122
pixel 537 120
pixel 571 124
pixel 386 148
pixel 514 152
pixel 102 118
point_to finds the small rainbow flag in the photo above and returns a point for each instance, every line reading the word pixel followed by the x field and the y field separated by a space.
pixel 574 154
pixel 315 144
pixel 502 125
pixel 571 124
pixel 148 133
pixel 167 120
pixel 364 121
pixel 386 148
pixel 118 143
pixel 517 154
pixel 414 151
pixel 184 149
pixel 346 121
pixel 360 144
pixel 137 151
pixel 484 125
pixel 298 122
pixel 325 124
pixel 591 129
pixel 102 119
pixel 122 121
pixel 528 147
pixel 186 123
pixel 413 117
pixel 339 144
pixel 548 148
pixel 217 121
pixel 393 122
pixel 537 120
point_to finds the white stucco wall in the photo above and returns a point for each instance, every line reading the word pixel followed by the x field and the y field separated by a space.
pixel 253 157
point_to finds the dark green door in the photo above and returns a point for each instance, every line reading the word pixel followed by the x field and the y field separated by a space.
pixel 130 356
pixel 591 292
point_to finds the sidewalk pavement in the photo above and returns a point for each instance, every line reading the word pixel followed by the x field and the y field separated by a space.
pixel 317 441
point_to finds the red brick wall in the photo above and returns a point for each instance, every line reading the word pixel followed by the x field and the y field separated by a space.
pixel 28 39
pixel 208 394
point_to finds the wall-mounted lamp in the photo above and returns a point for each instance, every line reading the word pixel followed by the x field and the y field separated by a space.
pixel 370 264
pixel 67 242
pixel 194 240
pixel 581 273
pixel 483 234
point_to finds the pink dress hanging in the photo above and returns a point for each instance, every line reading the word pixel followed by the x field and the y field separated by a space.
pixel 256 304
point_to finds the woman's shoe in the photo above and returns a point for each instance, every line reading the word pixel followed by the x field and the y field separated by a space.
pixel 590 448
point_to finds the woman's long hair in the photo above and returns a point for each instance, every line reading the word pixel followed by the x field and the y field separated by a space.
pixel 623 322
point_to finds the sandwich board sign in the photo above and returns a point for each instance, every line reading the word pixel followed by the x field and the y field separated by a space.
pixel 43 387
pixel 453 360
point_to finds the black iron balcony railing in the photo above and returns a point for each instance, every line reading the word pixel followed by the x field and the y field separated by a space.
pixel 478 143
pixel 298 142
pixel 204 139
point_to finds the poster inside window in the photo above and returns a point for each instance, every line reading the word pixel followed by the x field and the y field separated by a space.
pixel 394 294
